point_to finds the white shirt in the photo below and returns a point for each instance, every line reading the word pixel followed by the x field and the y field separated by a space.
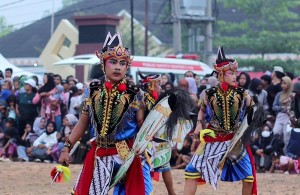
pixel 48 140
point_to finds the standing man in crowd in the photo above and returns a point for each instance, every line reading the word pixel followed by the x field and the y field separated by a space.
pixel 8 73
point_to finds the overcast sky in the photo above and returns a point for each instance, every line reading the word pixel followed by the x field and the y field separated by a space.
pixel 23 12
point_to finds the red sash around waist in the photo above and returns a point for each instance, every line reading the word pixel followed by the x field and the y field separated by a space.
pixel 219 138
pixel 134 176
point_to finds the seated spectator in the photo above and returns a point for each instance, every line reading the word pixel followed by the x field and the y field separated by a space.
pixel 43 144
pixel 69 122
pixel 284 163
pixel 37 130
pixel 56 149
pixel 183 157
pixel 293 148
pixel 262 140
pixel 9 143
pixel 24 143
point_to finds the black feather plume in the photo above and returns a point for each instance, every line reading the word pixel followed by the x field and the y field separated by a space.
pixel 255 120
pixel 181 105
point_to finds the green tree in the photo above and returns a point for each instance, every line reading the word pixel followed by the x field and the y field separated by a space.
pixel 4 27
pixel 271 26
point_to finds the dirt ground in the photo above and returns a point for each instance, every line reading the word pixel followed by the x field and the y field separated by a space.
pixel 34 179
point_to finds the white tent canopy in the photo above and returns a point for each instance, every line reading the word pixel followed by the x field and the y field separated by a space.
pixel 16 71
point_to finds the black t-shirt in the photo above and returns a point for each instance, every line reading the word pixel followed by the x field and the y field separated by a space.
pixel 26 108
pixel 185 151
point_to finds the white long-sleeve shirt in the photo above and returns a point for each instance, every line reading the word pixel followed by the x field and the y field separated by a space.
pixel 48 140
pixel 74 102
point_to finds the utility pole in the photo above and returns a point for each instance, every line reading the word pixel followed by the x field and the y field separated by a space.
pixel 208 34
pixel 132 27
pixel 146 28
pixel 176 27
pixel 52 19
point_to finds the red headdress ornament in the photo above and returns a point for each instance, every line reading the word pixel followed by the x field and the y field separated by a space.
pixel 148 82
pixel 222 65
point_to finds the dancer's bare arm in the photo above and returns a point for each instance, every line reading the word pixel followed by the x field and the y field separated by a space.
pixel 79 129
pixel 76 134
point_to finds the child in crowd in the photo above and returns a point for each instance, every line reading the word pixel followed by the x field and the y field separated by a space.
pixel 5 92
pixel 284 163
pixel 16 87
pixel 38 128
pixel 24 143
pixel 11 108
pixel 53 111
pixel 9 143
pixel 69 122
pixel 183 157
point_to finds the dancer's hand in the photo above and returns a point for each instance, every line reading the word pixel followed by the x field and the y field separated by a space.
pixel 64 158
pixel 137 152
pixel 197 131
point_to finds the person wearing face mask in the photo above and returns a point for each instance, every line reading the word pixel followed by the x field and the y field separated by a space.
pixel 259 148
pixel 258 95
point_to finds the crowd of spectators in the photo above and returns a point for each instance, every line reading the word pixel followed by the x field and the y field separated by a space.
pixel 36 119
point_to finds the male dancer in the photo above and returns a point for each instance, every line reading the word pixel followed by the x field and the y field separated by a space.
pixel 151 86
pixel 115 110
pixel 223 107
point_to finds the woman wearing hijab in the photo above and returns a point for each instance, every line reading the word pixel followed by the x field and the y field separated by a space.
pixel 43 144
pixel 69 122
pixel 192 85
pixel 44 96
pixel 258 94
pixel 37 129
pixel 281 105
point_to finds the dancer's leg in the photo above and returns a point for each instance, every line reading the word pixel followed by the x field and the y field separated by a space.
pixel 190 187
pixel 167 177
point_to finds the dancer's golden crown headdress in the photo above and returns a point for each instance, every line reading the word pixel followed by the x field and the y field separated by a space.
pixel 113 48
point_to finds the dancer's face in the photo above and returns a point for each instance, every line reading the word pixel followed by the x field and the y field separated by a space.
pixel 230 78
pixel 115 69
